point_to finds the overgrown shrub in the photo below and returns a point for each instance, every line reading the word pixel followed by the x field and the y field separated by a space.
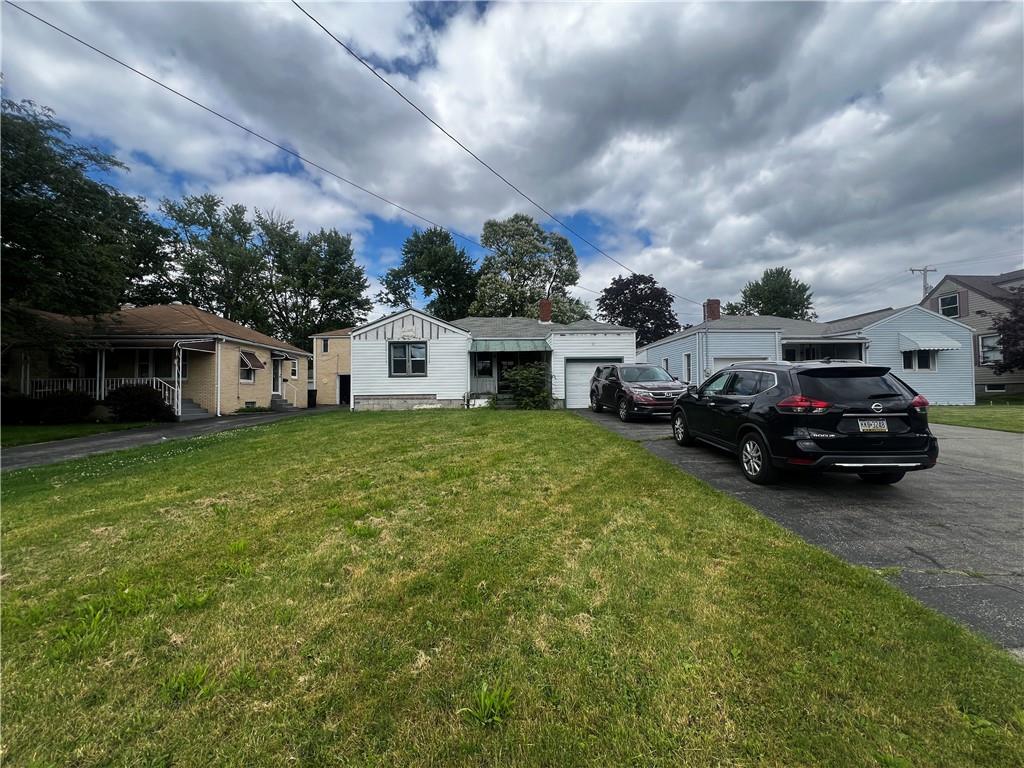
pixel 138 402
pixel 530 386
pixel 16 408
pixel 64 408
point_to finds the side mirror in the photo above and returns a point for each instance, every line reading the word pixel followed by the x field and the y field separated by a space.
pixel 691 389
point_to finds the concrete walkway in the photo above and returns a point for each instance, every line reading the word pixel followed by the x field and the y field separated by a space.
pixel 40 454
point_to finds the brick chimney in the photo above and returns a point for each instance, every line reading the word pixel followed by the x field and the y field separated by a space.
pixel 712 310
pixel 544 310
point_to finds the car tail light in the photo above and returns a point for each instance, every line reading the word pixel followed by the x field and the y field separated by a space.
pixel 920 404
pixel 802 404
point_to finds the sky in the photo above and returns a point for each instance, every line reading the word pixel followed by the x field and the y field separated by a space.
pixel 700 143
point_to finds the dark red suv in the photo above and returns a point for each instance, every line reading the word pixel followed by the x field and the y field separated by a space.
pixel 825 415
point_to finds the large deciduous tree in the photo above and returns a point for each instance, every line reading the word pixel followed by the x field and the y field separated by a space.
pixel 1010 328
pixel 637 301
pixel 776 293
pixel 70 242
pixel 527 263
pixel 313 283
pixel 445 274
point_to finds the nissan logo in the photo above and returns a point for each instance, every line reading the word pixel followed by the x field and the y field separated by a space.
pixel 876 407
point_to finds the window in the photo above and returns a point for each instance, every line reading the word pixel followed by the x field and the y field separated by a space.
pixel 995 387
pixel 991 349
pixel 919 360
pixel 142 366
pixel 748 383
pixel 484 366
pixel 408 358
pixel 246 374
pixel 295 369
pixel 324 344
pixel 664 363
pixel 184 364
pixel 850 385
pixel 633 373
pixel 717 384
pixel 686 368
pixel 950 305
pixel 248 364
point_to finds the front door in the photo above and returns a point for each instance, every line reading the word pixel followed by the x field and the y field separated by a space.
pixel 506 362
pixel 275 369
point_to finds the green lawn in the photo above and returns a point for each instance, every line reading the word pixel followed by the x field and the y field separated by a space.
pixel 44 433
pixel 335 590
pixel 1009 418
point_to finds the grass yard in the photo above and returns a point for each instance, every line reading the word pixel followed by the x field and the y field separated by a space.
pixel 44 433
pixel 1008 418
pixel 336 590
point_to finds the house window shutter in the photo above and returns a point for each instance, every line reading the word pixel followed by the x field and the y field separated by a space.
pixel 976 339
pixel 962 303
pixel 933 304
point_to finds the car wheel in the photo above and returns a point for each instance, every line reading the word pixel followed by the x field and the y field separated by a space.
pixel 755 461
pixel 883 478
pixel 680 431
pixel 595 406
pixel 623 409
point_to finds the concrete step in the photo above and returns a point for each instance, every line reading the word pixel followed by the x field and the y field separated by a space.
pixel 192 411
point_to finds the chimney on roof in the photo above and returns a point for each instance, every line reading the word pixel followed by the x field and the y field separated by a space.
pixel 544 310
pixel 712 310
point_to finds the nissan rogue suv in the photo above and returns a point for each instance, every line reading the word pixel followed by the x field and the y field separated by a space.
pixel 824 415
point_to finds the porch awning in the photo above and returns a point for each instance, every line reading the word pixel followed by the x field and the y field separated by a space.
pixel 249 360
pixel 275 355
pixel 199 346
pixel 510 345
pixel 910 342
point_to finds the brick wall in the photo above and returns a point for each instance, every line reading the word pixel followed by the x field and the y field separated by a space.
pixel 329 365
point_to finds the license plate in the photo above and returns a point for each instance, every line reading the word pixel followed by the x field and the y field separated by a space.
pixel 872 425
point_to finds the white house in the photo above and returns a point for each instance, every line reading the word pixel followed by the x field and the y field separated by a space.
pixel 932 353
pixel 413 360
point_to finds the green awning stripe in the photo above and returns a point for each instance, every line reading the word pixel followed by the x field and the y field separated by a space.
pixel 510 345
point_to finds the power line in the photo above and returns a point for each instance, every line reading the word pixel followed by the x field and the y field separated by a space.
pixel 469 151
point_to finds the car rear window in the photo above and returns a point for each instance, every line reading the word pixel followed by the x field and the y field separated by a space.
pixel 844 384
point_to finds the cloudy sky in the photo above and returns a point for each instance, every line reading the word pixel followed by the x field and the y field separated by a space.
pixel 700 143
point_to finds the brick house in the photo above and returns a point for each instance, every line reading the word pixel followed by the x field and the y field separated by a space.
pixel 202 364
pixel 332 366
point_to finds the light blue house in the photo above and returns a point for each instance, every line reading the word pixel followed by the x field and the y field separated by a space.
pixel 932 353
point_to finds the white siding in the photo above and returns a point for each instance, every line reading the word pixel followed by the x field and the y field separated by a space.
pixel 595 346
pixel 408 324
pixel 674 350
pixel 953 380
pixel 447 369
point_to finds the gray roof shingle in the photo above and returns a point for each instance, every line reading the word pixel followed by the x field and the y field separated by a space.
pixel 525 327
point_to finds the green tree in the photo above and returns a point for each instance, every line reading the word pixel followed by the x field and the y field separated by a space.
pixel 777 293
pixel 69 242
pixel 219 267
pixel 1010 328
pixel 526 264
pixel 444 273
pixel 313 283
pixel 638 302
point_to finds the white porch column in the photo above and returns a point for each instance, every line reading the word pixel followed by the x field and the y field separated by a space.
pixel 101 393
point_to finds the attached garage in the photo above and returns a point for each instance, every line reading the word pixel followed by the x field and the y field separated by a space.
pixel 577 380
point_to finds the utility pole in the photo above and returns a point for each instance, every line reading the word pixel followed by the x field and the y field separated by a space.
pixel 924 278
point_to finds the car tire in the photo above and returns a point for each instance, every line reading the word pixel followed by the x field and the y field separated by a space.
pixel 883 478
pixel 680 431
pixel 755 461
pixel 623 410
pixel 595 404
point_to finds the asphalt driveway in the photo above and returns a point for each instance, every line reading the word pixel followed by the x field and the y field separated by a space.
pixel 952 536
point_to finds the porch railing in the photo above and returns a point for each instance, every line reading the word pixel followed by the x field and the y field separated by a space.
pixel 44 387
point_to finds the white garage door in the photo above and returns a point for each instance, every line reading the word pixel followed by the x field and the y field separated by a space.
pixel 577 381
pixel 721 362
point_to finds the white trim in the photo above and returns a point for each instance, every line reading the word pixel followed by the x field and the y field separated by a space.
pixel 216 351
pixel 403 313
pixel 988 388
pixel 981 349
pixel 933 357
pixel 953 294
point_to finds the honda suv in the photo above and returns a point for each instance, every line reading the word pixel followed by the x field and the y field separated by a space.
pixel 633 389
pixel 825 415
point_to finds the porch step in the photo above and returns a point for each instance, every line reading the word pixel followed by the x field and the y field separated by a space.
pixel 504 401
pixel 278 403
pixel 190 411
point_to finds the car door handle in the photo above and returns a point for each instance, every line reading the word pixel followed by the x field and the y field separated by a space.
pixel 744 406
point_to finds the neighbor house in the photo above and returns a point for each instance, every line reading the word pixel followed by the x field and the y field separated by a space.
pixel 332 366
pixel 413 360
pixel 202 364
pixel 977 300
pixel 930 352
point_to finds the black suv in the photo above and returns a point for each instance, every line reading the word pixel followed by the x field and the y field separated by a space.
pixel 826 415
pixel 633 389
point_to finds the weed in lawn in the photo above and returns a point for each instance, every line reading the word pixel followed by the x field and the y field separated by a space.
pixel 192 600
pixel 244 677
pixel 85 633
pixel 491 705
pixel 191 683
pixel 238 547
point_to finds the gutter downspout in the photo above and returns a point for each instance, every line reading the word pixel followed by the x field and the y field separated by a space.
pixel 217 359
